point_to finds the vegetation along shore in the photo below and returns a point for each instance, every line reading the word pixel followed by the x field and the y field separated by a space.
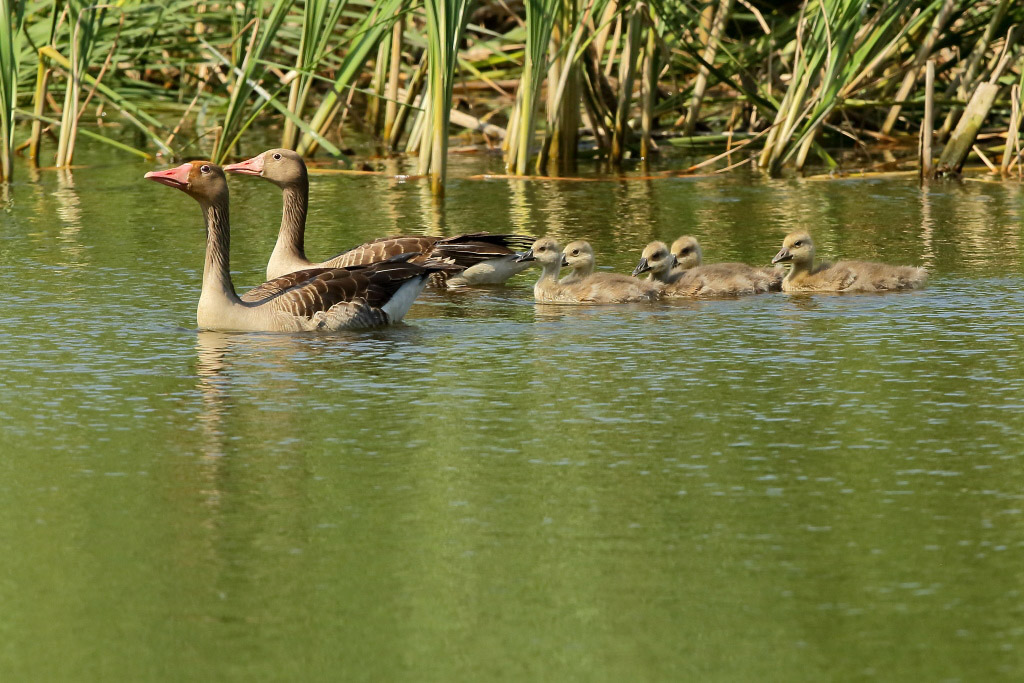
pixel 904 85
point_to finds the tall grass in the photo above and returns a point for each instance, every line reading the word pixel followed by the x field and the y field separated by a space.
pixel 10 37
pixel 609 78
pixel 446 21
pixel 541 16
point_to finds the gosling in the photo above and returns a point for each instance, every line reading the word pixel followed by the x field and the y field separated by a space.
pixel 844 276
pixel 700 281
pixel 689 255
pixel 584 286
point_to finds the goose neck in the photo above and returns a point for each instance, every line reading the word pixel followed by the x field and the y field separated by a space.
pixel 216 272
pixel 291 236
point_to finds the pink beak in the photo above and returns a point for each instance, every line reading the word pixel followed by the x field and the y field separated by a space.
pixel 172 177
pixel 252 166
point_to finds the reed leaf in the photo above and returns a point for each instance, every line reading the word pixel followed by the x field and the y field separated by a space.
pixel 446 21
pixel 10 50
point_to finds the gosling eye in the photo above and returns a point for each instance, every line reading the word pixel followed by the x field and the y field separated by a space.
pixel 798 244
pixel 575 252
pixel 277 156
pixel 687 250
pixel 205 168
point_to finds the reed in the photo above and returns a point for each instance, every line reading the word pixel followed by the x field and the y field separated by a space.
pixel 541 16
pixel 10 39
pixel 446 21
pixel 805 77
pixel 319 17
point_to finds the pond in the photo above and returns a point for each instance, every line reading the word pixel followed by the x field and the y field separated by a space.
pixel 779 487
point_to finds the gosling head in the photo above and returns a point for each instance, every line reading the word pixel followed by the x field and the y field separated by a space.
pixel 687 252
pixel 545 251
pixel 797 248
pixel 282 167
pixel 656 259
pixel 202 180
pixel 578 255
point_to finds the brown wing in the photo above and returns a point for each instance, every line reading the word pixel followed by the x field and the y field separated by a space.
pixel 272 288
pixel 473 248
pixel 382 250
pixel 307 292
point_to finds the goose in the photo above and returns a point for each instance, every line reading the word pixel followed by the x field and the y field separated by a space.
pixel 843 276
pixel 311 299
pixel 486 258
pixel 701 281
pixel 689 255
pixel 587 287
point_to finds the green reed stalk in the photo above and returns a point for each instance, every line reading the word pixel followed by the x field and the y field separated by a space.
pixel 85 21
pixel 319 17
pixel 248 73
pixel 10 37
pixel 365 37
pixel 627 74
pixel 541 16
pixel 446 21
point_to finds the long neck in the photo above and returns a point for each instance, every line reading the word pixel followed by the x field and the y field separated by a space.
pixel 291 237
pixel 217 273
pixel 550 272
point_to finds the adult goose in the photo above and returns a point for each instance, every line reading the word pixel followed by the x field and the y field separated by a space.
pixel 689 255
pixel 701 281
pixel 311 299
pixel 585 286
pixel 843 276
pixel 484 257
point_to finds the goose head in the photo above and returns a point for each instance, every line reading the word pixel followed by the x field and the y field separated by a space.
pixel 687 251
pixel 656 259
pixel 201 180
pixel 545 251
pixel 283 167
pixel 579 256
pixel 797 248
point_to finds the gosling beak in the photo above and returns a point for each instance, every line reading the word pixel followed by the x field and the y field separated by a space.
pixel 172 177
pixel 252 166
pixel 641 267
pixel 783 255
pixel 526 256
pixel 565 262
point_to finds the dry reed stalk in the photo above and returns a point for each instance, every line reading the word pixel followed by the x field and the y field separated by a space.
pixel 394 74
pixel 960 142
pixel 627 73
pixel 412 93
pixel 714 36
pixel 920 57
pixel 1012 149
pixel 928 122
pixel 973 64
pixel 650 93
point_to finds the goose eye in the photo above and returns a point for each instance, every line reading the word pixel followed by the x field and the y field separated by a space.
pixel 575 252
pixel 686 251
pixel 277 156
pixel 798 244
pixel 204 168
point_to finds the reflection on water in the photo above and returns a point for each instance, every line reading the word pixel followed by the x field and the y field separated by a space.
pixel 776 487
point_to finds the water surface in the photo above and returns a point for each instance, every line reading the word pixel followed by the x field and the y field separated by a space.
pixel 770 488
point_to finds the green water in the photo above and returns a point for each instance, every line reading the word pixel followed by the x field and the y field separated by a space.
pixel 774 488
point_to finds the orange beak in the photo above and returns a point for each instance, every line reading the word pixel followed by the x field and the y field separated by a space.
pixel 252 166
pixel 172 177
